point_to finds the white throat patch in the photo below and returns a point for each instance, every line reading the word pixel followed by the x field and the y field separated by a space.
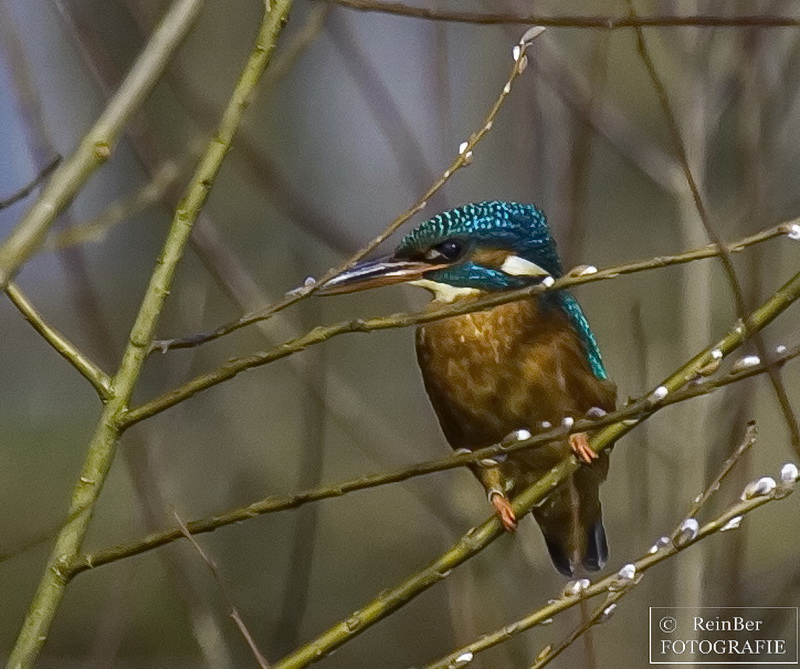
pixel 443 292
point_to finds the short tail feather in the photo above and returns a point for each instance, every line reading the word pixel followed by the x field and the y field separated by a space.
pixel 594 559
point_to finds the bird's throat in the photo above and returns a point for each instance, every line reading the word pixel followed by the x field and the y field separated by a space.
pixel 443 292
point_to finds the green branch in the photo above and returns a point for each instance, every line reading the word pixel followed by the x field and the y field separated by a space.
pixel 637 411
pixel 101 449
pixel 578 275
pixel 96 376
pixel 621 582
pixel 96 146
pixel 480 537
pixel 324 333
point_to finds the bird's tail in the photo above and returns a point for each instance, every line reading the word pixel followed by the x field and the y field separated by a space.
pixel 572 524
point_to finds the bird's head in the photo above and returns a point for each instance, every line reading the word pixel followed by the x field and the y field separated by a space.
pixel 480 247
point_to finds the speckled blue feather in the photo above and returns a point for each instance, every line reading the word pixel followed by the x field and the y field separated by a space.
pixel 519 227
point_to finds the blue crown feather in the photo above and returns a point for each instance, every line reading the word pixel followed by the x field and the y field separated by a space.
pixel 520 227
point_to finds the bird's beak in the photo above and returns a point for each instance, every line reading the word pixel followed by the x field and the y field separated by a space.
pixel 375 273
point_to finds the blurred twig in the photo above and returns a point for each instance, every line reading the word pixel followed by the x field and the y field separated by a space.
pixel 725 255
pixel 605 22
pixel 751 434
pixel 96 229
pixel 580 157
pixel 232 610
pixel 398 132
pixel 96 146
pixel 23 192
pixel 90 371
pixel 310 466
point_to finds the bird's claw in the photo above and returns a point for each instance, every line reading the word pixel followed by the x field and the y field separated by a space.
pixel 579 444
pixel 505 513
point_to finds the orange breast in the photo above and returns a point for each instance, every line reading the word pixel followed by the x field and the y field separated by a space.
pixel 511 367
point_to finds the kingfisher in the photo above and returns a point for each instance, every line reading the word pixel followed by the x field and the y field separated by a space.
pixel 525 366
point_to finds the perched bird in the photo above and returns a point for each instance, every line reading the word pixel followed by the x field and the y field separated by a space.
pixel 526 365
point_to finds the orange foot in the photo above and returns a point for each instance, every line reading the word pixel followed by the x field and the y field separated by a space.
pixel 502 508
pixel 579 443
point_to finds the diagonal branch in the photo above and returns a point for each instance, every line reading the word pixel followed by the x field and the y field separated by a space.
pixel 682 536
pixel 101 449
pixel 636 412
pixel 480 537
pixel 619 583
pixel 725 256
pixel 233 611
pixel 464 158
pixel 323 333
pixel 90 371
pixel 98 143
pixel 578 277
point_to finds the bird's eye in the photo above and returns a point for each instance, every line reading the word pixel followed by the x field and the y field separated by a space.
pixel 449 250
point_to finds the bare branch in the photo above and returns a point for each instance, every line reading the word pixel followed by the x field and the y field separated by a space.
pixel 98 143
pixel 324 333
pixel 604 22
pixel 725 256
pixel 617 584
pixel 90 371
pixel 101 449
pixel 464 158
pixel 232 610
pixel 23 192
pixel 751 434
pixel 626 418
pixel 96 229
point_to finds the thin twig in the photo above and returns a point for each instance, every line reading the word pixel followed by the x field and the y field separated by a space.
pixel 576 278
pixel 291 52
pixel 66 349
pixel 23 192
pixel 232 610
pixel 96 229
pixel 751 434
pixel 725 257
pixel 550 653
pixel 614 582
pixel 605 22
pixel 323 333
pixel 96 146
pixel 464 158
pixel 623 419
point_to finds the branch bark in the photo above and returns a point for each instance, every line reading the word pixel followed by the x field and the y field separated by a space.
pixel 324 333
pixel 636 412
pixel 597 21
pixel 96 146
pixel 102 447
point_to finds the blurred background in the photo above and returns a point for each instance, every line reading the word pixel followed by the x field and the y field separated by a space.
pixel 357 117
